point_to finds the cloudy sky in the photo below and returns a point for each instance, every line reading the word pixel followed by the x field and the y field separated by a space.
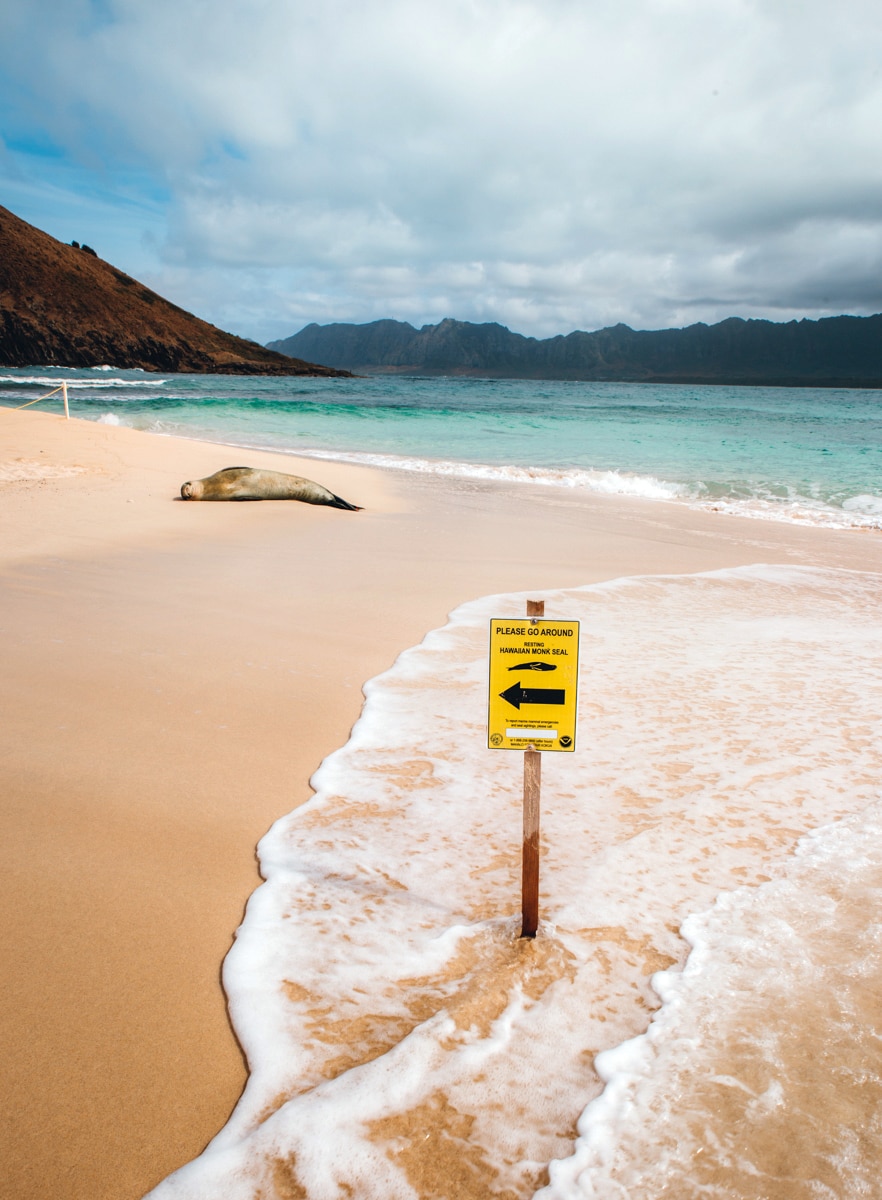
pixel 549 164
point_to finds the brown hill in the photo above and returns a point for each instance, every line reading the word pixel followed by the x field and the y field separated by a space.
pixel 63 305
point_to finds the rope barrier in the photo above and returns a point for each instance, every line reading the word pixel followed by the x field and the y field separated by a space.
pixel 37 401
pixel 61 388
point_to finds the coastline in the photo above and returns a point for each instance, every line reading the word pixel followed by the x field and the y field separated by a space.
pixel 176 674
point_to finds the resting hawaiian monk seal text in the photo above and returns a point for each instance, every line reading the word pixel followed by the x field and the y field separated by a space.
pixel 250 483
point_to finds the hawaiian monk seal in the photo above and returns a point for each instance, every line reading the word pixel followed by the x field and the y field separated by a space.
pixel 249 483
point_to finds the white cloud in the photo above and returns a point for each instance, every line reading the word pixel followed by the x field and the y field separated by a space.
pixel 551 165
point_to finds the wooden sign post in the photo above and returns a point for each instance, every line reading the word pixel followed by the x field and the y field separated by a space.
pixel 530 851
pixel 530 854
pixel 534 672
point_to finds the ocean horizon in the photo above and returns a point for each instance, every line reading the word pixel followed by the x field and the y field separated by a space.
pixel 806 455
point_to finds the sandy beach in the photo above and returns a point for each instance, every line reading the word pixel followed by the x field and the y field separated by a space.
pixel 173 675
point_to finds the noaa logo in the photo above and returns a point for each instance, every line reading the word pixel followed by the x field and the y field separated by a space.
pixel 566 740
pixel 496 739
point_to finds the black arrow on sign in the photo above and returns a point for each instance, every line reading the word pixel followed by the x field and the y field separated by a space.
pixel 517 695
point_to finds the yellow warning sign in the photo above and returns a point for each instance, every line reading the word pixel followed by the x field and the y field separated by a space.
pixel 534 677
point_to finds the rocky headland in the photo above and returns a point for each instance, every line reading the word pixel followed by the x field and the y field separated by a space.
pixel 63 305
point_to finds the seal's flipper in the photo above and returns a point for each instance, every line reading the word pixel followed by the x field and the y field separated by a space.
pixel 339 502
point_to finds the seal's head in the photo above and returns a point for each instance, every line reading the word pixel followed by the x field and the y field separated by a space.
pixel 192 490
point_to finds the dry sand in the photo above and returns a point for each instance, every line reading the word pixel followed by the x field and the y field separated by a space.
pixel 173 674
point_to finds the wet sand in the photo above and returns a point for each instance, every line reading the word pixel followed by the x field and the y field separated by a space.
pixel 174 673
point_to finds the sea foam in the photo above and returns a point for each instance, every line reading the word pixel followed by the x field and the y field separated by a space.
pixel 761 1076
pixel 402 1041
pixel 81 382
pixel 617 483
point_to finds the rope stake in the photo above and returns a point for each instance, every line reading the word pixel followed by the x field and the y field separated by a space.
pixel 62 388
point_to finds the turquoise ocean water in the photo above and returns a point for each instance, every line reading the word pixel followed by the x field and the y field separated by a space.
pixel 807 454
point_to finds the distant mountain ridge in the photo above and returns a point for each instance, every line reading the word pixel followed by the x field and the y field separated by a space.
pixel 831 352
pixel 64 305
